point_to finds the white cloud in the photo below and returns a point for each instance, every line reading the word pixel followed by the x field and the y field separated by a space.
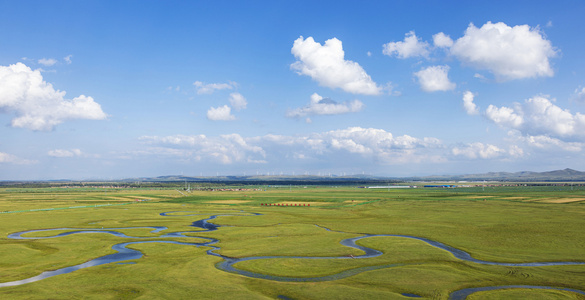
pixel 543 116
pixel 549 143
pixel 479 76
pixel 209 88
pixel 367 143
pixel 37 105
pixel 516 151
pixel 504 116
pixel 442 40
pixel 238 101
pixel 225 149
pixel 12 159
pixel 345 145
pixel 483 151
pixel 410 47
pixel 434 79
pixel 67 59
pixel 325 106
pixel 468 104
pixel 222 113
pixel 508 52
pixel 65 153
pixel 539 116
pixel 326 65
pixel 47 62
pixel 579 94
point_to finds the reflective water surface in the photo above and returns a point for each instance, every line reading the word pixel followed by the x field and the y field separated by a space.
pixel 126 254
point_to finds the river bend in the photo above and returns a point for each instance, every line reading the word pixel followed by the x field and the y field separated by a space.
pixel 123 254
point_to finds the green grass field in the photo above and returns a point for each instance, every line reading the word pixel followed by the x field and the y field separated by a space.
pixel 500 224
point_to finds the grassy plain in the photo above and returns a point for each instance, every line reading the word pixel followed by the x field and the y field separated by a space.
pixel 502 224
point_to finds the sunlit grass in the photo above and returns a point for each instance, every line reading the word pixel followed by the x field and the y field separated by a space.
pixel 503 224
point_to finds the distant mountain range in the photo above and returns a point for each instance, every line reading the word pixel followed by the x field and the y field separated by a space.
pixel 526 176
pixel 558 175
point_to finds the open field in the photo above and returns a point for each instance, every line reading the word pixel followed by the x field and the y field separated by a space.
pixel 497 224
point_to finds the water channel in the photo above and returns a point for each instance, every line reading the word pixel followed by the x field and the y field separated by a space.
pixel 125 254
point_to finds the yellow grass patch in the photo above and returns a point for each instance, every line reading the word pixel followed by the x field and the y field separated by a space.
pixel 354 201
pixel 228 201
pixel 561 200
pixel 479 197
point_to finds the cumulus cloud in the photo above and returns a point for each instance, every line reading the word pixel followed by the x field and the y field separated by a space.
pixel 36 104
pixel 508 52
pixel 441 40
pixel 7 158
pixel 325 106
pixel 237 101
pixel 65 153
pixel 486 151
pixel 326 65
pixel 539 116
pixel 412 46
pixel 504 116
pixel 67 59
pixel 435 78
pixel 222 113
pixel 209 88
pixel 468 104
pixel 47 62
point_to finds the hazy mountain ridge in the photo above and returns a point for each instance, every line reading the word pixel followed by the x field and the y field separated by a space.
pixel 357 179
pixel 557 175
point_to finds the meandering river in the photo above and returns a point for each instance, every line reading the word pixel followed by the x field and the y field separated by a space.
pixel 227 264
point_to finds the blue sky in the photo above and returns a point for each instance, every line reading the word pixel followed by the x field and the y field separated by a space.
pixel 119 89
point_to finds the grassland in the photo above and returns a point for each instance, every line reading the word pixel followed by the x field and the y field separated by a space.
pixel 501 224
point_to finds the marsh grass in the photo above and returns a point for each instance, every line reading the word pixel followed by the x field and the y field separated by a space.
pixel 512 224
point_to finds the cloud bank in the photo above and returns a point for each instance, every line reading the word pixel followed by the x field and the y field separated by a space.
pixel 344 145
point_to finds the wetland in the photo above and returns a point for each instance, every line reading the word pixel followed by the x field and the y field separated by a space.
pixel 433 243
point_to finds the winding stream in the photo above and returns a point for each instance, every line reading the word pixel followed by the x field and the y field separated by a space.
pixel 124 254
